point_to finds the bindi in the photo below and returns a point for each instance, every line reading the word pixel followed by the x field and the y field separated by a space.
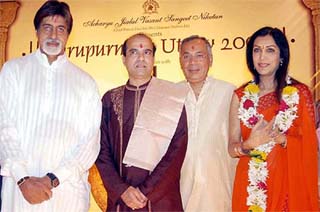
pixel 141 46
pixel 192 47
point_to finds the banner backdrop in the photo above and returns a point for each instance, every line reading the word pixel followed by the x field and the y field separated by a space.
pixel 101 26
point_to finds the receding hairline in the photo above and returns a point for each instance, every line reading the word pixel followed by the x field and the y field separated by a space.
pixel 140 35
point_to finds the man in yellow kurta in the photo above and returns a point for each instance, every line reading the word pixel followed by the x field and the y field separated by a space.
pixel 207 172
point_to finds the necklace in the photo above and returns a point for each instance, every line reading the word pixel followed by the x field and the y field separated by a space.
pixel 248 114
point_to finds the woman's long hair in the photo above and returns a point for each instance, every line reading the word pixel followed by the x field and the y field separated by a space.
pixel 281 41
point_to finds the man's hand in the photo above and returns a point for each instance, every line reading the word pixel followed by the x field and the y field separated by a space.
pixel 134 198
pixel 35 191
pixel 45 180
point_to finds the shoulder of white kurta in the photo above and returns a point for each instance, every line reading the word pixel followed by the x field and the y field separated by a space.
pixel 82 78
pixel 222 83
pixel 22 60
pixel 82 73
pixel 18 63
pixel 184 83
pixel 224 88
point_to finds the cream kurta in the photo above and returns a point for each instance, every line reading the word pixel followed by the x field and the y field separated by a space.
pixel 208 170
pixel 49 122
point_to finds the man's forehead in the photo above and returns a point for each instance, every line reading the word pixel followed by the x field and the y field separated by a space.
pixel 54 19
pixel 194 44
pixel 197 47
pixel 139 42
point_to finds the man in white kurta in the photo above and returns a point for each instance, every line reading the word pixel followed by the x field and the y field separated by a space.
pixel 208 170
pixel 50 113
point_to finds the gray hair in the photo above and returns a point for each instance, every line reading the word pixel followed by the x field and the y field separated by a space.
pixel 194 37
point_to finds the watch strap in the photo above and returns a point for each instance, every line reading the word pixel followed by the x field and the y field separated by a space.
pixel 54 179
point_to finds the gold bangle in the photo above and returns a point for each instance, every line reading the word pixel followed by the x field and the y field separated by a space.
pixel 22 180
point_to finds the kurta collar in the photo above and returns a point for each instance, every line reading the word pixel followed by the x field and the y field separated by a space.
pixel 203 89
pixel 44 60
pixel 137 88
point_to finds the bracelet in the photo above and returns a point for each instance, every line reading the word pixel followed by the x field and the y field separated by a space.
pixel 22 180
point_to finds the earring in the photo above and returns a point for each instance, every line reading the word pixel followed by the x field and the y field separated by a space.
pixel 288 80
pixel 281 62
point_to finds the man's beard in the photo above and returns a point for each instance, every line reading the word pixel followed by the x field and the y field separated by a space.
pixel 52 50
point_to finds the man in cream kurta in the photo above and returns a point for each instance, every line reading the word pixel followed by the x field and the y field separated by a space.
pixel 208 170
pixel 50 113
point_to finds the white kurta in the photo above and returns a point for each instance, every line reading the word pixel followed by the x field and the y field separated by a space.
pixel 208 171
pixel 49 122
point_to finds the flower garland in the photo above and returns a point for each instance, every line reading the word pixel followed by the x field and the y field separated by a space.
pixel 248 114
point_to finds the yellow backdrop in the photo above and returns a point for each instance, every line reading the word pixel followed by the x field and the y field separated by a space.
pixel 100 27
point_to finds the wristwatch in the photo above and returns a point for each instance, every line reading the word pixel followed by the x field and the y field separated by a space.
pixel 54 180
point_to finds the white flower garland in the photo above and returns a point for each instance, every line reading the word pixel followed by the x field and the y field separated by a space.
pixel 248 114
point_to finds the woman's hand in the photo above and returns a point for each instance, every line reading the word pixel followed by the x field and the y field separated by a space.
pixel 261 133
pixel 279 137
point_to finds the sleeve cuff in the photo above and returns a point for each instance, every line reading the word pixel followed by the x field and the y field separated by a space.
pixel 62 174
pixel 16 170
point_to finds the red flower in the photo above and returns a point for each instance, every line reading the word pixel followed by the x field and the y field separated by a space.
pixel 247 104
pixel 283 106
pixel 253 120
pixel 262 185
